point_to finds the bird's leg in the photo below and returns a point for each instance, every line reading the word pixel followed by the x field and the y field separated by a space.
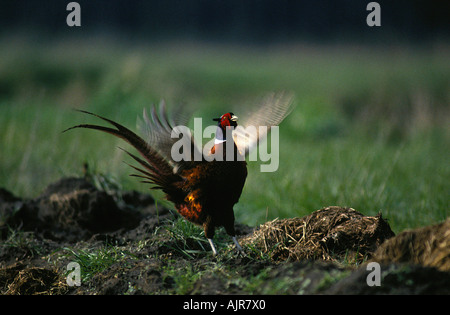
pixel 229 227
pixel 212 246
pixel 209 228
pixel 239 249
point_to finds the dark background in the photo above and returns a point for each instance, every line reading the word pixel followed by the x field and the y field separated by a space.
pixel 249 21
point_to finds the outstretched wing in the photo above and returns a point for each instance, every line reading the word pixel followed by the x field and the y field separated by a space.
pixel 164 131
pixel 270 112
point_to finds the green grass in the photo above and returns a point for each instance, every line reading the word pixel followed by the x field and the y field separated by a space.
pixel 188 238
pixel 369 131
pixel 23 242
pixel 95 261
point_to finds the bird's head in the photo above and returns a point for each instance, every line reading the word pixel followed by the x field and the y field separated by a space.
pixel 227 120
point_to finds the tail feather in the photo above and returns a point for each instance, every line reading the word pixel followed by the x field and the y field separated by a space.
pixel 158 170
pixel 163 180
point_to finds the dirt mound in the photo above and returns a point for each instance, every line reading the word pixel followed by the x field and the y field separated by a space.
pixel 395 279
pixel 71 209
pixel 332 233
pixel 21 280
pixel 427 246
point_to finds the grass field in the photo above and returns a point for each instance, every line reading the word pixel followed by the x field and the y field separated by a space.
pixel 370 129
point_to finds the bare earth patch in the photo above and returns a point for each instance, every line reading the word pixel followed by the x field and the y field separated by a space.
pixel 126 244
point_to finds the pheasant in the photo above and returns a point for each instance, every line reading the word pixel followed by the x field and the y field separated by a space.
pixel 202 190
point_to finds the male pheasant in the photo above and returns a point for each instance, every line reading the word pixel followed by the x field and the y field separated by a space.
pixel 203 191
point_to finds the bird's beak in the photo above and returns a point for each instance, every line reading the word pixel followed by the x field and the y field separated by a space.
pixel 216 119
pixel 234 118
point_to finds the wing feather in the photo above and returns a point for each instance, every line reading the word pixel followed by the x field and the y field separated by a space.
pixel 271 111
pixel 163 131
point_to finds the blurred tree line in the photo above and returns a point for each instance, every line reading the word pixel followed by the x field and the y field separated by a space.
pixel 257 21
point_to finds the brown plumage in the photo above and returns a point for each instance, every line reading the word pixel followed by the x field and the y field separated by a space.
pixel 204 191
